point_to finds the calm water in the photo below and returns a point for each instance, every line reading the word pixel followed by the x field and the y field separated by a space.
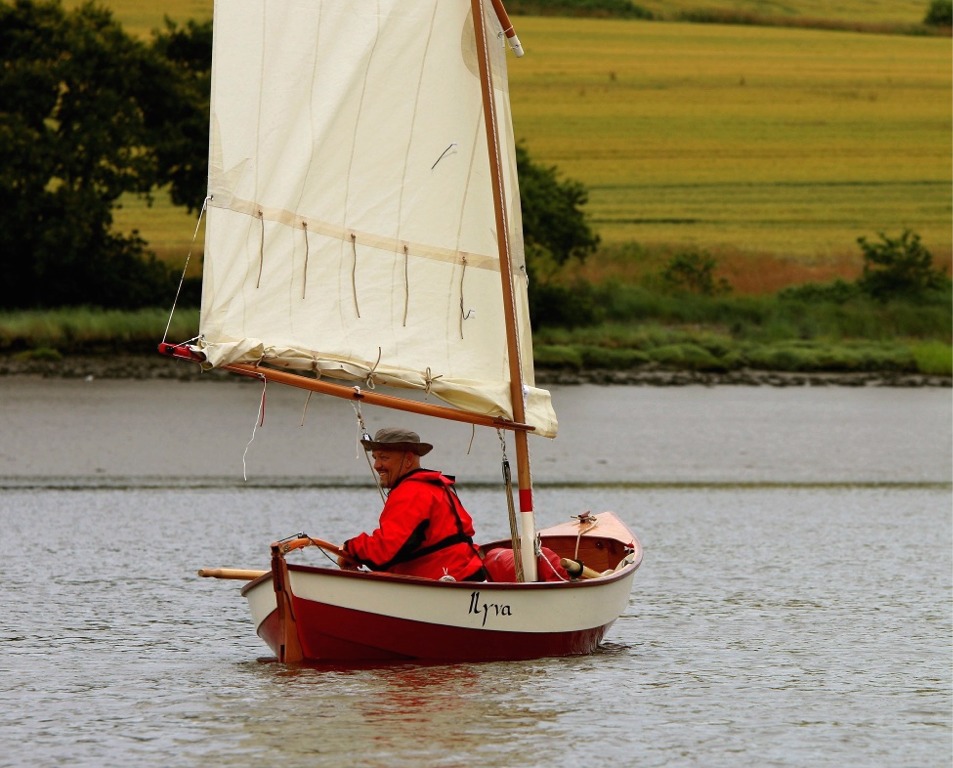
pixel 793 608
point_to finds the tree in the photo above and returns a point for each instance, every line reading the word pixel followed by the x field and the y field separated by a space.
pixel 694 271
pixel 898 267
pixel 182 145
pixel 553 220
pixel 88 113
pixel 555 230
pixel 940 14
pixel 78 121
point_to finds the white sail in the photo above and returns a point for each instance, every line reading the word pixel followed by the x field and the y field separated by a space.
pixel 350 227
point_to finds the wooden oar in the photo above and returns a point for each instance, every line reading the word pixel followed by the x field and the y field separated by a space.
pixel 230 573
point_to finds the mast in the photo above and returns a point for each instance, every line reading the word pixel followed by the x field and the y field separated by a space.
pixel 524 479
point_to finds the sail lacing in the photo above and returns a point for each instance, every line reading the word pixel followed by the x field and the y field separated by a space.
pixel 463 313
pixel 307 249
pixel 357 307
pixel 406 283
pixel 369 379
pixel 429 378
pixel 261 246
pixel 185 268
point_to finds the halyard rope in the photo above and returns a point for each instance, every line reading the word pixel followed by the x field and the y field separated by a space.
pixel 363 434
pixel 514 532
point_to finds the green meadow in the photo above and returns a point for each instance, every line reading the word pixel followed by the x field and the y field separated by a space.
pixel 141 18
pixel 772 148
pixel 758 144
pixel 862 14
pixel 767 146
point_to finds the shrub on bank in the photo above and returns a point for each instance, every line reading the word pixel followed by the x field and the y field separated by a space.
pixel 613 358
pixel 933 358
pixel 688 357
pixel 832 358
pixel 86 329
pixel 836 311
pixel 560 357
pixel 764 333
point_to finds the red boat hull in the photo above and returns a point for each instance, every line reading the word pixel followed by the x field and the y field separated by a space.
pixel 407 640
pixel 306 613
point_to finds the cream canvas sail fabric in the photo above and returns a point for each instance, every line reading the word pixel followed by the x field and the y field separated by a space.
pixel 350 228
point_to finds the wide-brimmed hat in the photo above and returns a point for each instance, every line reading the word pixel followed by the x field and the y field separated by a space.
pixel 396 439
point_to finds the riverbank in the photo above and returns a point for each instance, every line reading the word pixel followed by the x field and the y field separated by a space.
pixel 158 367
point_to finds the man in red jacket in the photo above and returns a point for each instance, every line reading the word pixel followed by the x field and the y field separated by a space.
pixel 423 529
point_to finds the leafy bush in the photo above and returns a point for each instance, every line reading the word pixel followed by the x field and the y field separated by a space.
pixel 940 14
pixel 568 306
pixel 933 358
pixel 85 329
pixel 557 356
pixel 612 358
pixel 84 104
pixel 787 357
pixel 838 292
pixel 690 357
pixel 694 271
pixel 41 353
pixel 555 230
pixel 898 267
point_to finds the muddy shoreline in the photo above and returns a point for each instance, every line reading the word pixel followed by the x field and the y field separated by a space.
pixel 158 367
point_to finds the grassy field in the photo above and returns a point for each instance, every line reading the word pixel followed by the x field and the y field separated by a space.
pixel 860 12
pixel 773 148
pixel 141 18
pixel 773 140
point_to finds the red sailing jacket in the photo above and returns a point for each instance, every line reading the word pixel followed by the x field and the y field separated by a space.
pixel 423 531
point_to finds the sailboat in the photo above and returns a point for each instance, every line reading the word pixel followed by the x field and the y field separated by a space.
pixel 364 241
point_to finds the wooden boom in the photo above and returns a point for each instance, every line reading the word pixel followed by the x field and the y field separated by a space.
pixel 350 393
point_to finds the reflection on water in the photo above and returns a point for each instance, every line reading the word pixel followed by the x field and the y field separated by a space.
pixel 784 626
